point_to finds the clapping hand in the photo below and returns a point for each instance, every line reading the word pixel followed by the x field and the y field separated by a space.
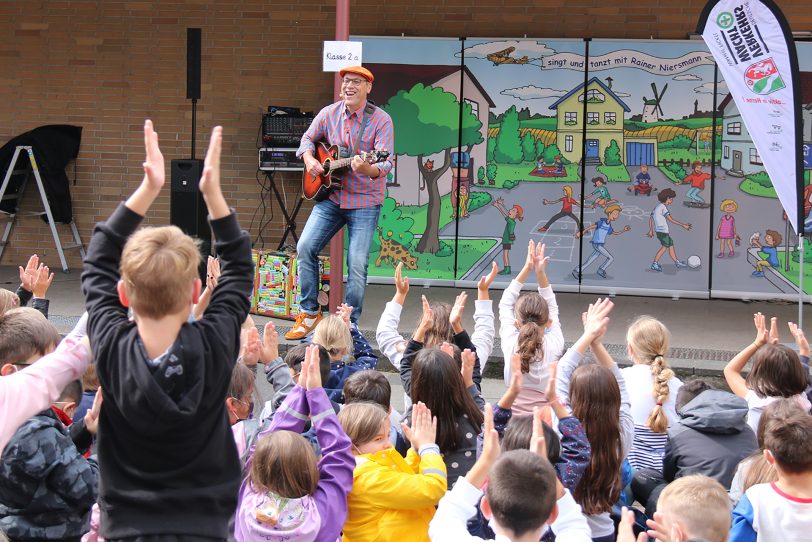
pixel 424 428
pixel 455 316
pixel 269 350
pixel 484 283
pixel 344 311
pixel 311 369
pixel 468 363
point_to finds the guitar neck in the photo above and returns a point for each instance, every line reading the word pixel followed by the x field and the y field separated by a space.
pixel 338 164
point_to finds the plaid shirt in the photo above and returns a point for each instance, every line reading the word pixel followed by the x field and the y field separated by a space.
pixel 336 125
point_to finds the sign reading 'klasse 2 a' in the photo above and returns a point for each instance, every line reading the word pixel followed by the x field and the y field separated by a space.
pixel 756 56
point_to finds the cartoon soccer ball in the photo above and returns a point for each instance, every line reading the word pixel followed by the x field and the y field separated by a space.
pixel 694 261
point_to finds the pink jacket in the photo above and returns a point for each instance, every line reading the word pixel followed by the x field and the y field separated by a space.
pixel 37 386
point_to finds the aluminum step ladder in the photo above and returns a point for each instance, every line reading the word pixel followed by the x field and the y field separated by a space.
pixel 24 169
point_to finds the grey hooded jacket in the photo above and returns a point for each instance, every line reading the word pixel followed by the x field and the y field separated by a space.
pixel 710 439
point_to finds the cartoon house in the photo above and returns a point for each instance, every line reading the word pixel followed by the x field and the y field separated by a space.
pixel 405 186
pixel 605 114
pixel 739 154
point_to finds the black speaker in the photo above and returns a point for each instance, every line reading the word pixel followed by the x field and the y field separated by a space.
pixel 193 46
pixel 187 210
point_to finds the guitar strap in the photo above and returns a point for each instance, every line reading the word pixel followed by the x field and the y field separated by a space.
pixel 369 110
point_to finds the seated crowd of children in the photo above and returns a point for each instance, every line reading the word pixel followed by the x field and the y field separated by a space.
pixel 156 439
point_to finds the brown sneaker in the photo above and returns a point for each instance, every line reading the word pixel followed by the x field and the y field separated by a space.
pixel 303 326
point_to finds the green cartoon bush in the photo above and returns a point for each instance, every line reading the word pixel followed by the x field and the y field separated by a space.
pixel 611 156
pixel 393 226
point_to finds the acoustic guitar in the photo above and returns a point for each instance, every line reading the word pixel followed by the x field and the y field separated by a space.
pixel 319 187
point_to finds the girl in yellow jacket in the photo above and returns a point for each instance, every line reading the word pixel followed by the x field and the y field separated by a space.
pixel 392 498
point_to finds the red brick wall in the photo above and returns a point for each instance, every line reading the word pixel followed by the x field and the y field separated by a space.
pixel 108 64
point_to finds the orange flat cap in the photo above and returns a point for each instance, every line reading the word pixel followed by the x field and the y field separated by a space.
pixel 359 70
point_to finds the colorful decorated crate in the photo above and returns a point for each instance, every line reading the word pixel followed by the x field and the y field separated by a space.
pixel 271 284
pixel 276 284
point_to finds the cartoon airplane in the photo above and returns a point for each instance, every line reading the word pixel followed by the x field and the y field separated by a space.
pixel 502 57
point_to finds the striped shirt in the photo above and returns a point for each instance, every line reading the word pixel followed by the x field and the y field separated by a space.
pixel 337 126
pixel 648 449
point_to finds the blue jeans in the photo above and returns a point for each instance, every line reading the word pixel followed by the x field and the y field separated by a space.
pixel 324 221
pixel 693 195
pixel 599 250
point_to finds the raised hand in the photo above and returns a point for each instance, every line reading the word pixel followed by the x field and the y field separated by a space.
pixel 468 362
pixel 250 348
pixel 625 532
pixel 311 370
pixel 210 181
pixel 43 281
pixel 401 282
pixel 530 260
pixel 484 283
pixel 538 445
pixel 491 448
pixel 455 316
pixel 92 415
pixel 29 275
pixel 596 319
pixel 762 335
pixel 424 428
pixel 800 339
pixel 154 167
pixel 344 311
pixel 447 348
pixel 269 349
pixel 774 330
pixel 426 321
pixel 540 261
pixel 212 272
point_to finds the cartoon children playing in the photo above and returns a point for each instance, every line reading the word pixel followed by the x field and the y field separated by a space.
pixel 566 209
pixel 772 239
pixel 642 182
pixel 601 193
pixel 559 165
pixel 726 232
pixel 509 235
pixel 603 229
pixel 658 223
pixel 697 181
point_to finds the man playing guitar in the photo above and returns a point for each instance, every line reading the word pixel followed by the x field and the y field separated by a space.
pixel 357 126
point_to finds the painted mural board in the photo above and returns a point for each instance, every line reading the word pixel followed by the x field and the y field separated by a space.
pixel 649 127
pixel 760 259
pixel 534 113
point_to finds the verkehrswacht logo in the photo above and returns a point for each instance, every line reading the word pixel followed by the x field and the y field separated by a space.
pixel 763 77
pixel 725 20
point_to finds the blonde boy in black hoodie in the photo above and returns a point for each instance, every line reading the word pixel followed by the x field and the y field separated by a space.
pixel 169 466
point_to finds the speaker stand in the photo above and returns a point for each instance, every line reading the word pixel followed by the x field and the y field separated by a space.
pixel 290 218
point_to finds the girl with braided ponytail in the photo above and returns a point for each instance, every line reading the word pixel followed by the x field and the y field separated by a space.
pixel 652 389
pixel 529 326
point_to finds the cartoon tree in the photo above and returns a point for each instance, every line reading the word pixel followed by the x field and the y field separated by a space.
pixel 490 149
pixel 550 152
pixel 508 142
pixel 480 175
pixel 393 226
pixel 528 147
pixel 428 122
pixel 611 156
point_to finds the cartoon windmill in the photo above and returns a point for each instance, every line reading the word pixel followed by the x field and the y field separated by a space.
pixel 652 111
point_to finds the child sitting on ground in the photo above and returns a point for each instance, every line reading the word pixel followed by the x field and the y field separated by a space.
pixel 46 487
pixel 373 386
pixel 776 372
pixel 392 498
pixel 29 381
pixel 530 327
pixel 393 345
pixel 780 510
pixel 343 341
pixel 288 495
pixel 522 497
pixel 691 508
pixel 164 440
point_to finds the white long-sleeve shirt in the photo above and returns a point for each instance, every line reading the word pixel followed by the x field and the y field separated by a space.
pixel 534 382
pixel 392 344
pixel 34 388
pixel 459 504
